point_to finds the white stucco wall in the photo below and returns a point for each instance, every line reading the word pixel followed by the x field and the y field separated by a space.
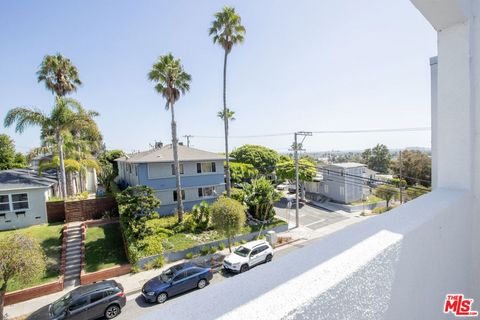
pixel 35 214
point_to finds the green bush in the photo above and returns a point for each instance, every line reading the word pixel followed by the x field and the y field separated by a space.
pixel 213 249
pixel 189 255
pixel 201 215
pixel 158 226
pixel 133 254
pixel 243 241
pixel 135 269
pixel 159 262
pixel 204 251
pixel 152 245
pixel 236 244
pixel 189 224
pixel 380 210
pixel 221 246
pixel 149 265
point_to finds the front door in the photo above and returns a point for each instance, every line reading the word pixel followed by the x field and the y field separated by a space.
pixel 179 283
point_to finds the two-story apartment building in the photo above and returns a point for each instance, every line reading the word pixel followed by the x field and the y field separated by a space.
pixel 340 182
pixel 202 175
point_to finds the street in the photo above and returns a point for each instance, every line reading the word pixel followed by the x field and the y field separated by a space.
pixel 136 305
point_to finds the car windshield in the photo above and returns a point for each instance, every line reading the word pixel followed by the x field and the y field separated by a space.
pixel 167 275
pixel 242 251
pixel 59 306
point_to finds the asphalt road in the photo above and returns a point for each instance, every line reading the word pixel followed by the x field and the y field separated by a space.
pixel 311 217
pixel 136 305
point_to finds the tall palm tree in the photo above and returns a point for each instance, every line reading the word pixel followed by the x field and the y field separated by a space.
pixel 230 114
pixel 227 30
pixel 59 74
pixel 61 119
pixel 172 81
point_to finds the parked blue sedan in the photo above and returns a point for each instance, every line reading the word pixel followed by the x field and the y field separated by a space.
pixel 175 280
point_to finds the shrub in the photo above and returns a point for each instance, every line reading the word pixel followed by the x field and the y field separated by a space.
pixel 189 255
pixel 189 224
pixel 201 215
pixel 259 197
pixel 243 241
pixel 157 226
pixel 236 244
pixel 152 245
pixel 204 251
pixel 221 246
pixel 83 195
pixel 149 265
pixel 135 269
pixel 213 249
pixel 380 210
pixel 228 217
pixel 133 254
pixel 159 262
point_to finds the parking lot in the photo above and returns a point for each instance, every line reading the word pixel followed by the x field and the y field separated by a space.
pixel 311 217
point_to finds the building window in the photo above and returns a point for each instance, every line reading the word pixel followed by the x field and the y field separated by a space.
pixel 206 192
pixel 19 201
pixel 13 202
pixel 175 195
pixel 206 167
pixel 181 169
pixel 4 203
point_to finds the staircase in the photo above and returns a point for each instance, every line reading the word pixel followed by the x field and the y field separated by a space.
pixel 73 255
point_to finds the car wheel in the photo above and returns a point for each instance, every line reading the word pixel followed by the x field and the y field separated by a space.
pixel 112 311
pixel 244 268
pixel 268 258
pixel 162 297
pixel 201 284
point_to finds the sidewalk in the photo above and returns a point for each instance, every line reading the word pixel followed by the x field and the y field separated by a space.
pixel 132 283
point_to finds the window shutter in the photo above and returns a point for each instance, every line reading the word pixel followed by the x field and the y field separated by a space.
pixel 200 192
pixel 175 195
pixel 199 168
pixel 173 169
pixel 213 167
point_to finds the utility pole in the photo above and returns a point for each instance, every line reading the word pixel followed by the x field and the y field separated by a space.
pixel 296 148
pixel 188 136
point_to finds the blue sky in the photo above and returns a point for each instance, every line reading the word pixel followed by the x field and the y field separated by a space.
pixel 305 65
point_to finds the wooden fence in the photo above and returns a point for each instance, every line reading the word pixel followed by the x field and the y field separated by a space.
pixel 81 210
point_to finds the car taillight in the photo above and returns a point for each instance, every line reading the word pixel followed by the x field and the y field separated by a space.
pixel 121 294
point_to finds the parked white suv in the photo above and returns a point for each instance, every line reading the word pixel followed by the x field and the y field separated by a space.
pixel 248 255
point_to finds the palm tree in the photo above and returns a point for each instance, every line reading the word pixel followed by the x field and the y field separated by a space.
pixel 230 114
pixel 59 74
pixel 60 121
pixel 171 81
pixel 227 31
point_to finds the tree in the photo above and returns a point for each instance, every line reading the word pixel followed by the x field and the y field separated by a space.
pixel 228 218
pixel 171 81
pixel 59 74
pixel 230 115
pixel 261 158
pixel 22 258
pixel 137 205
pixel 260 196
pixel 7 152
pixel 306 170
pixel 378 158
pixel 201 214
pixel 227 30
pixel 242 172
pixel 416 167
pixel 60 121
pixel 109 157
pixel 386 192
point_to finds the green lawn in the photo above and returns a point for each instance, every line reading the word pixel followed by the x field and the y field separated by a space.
pixel 104 247
pixel 371 199
pixel 49 238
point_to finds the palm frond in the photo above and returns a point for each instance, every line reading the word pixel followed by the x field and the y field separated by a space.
pixel 24 117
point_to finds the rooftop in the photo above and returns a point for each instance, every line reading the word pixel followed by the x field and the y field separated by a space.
pixel 24 179
pixel 346 165
pixel 165 154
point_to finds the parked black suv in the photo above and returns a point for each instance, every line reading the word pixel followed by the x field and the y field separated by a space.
pixel 101 299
